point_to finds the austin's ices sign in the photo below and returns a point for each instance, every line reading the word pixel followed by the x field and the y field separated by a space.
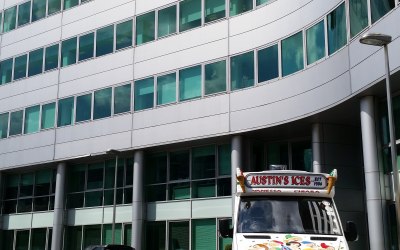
pixel 264 180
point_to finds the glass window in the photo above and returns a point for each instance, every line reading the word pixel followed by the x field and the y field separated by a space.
pixel 11 186
pixel 41 203
pixel 107 234
pixel 124 34
pixel 24 13
pixel 6 68
pixel 93 199
pixel 65 112
pixel 215 77
pixel 70 3
pixel 178 235
pixel 277 154
pixel 7 244
pixel 157 171
pixel 259 2
pixel 76 178
pixel 179 191
pixel 302 156
pixel 73 237
pixel 315 42
pixel 22 240
pixel 42 182
pixel 166 89
pixel 144 94
pixel 189 83
pixel 32 119
pixel 20 66
pixel 16 122
pixel 48 115
pixel 214 10
pixel 10 16
pixel 240 6
pixel 38 9
pixel 127 234
pixel 337 29
pixel 224 187
pixel 86 46
pixel 105 40
pixel 68 52
pixel 38 238
pixel 268 68
pixel 379 8
pixel 102 103
pixel 358 16
pixel 53 6
pixel 122 99
pixel 167 21
pixel 156 193
pixel 35 62
pixel 225 243
pixel 155 235
pixel 292 54
pixel 242 71
pixel 3 125
pixel 204 234
pixel 179 165
pixel 51 57
pixel 203 162
pixel 95 176
pixel 189 14
pixel 203 189
pixel 145 28
pixel 26 185
pixel 224 160
pixel 83 107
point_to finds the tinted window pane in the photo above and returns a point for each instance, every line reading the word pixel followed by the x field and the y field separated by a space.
pixel 166 89
pixel 124 34
pixel 204 234
pixel 268 63
pixel 32 119
pixel 51 58
pixel 107 234
pixel 26 185
pixel 22 240
pixel 94 199
pixel 240 6
pixel 6 71
pixel 179 191
pixel 224 187
pixel 65 112
pixel 292 54
pixel 73 237
pixel 315 43
pixel 302 156
pixel 86 46
pixel 380 7
pixel 6 244
pixel 20 66
pixel 167 21
pixel 259 2
pixel 11 186
pixel 122 99
pixel 9 207
pixel 35 62
pixel 105 40
pixel 190 83
pixel 203 162
pixel 68 52
pixel 179 165
pixel 358 16
pixel 242 71
pixel 38 238
pixel 24 13
pixel 3 125
pixel 214 9
pixel 102 103
pixel 156 193
pixel 41 203
pixel 179 235
pixel 42 182
pixel 215 77
pixel 83 107
pixel 54 6
pixel 95 176
pixel 70 3
pixel 10 16
pixel 38 9
pixel 203 189
pixel 145 28
pixel 224 160
pixel 144 94
pixel 48 115
pixel 76 178
pixel 155 235
pixel 92 235
pixel 157 170
pixel 189 14
pixel 16 122
pixel 337 29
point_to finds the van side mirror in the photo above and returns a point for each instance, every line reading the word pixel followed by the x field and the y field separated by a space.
pixel 224 228
pixel 351 233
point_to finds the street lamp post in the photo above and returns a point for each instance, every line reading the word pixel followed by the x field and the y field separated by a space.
pixel 382 40
pixel 114 152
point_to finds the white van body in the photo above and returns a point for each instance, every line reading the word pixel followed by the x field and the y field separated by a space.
pixel 286 210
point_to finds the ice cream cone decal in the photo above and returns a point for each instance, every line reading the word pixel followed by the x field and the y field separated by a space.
pixel 240 178
pixel 332 180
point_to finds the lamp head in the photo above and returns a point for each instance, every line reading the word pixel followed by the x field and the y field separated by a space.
pixel 375 39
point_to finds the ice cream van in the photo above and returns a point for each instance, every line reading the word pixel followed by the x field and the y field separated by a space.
pixel 286 210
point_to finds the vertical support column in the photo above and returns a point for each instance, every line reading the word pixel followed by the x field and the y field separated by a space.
pixel 137 200
pixel 58 217
pixel 236 161
pixel 317 147
pixel 372 174
pixel 1 198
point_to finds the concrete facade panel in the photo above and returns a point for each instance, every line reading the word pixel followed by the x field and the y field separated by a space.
pixel 28 156
pixel 27 142
pixel 143 6
pixel 17 221
pixel 41 220
pixel 212 208
pixel 85 216
pixel 169 211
